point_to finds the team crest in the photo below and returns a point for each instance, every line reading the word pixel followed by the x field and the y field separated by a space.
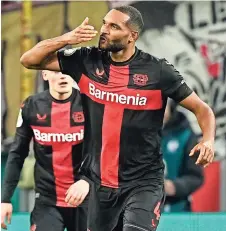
pixel 140 79
pixel 78 117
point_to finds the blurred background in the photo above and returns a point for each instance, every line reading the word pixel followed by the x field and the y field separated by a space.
pixel 189 34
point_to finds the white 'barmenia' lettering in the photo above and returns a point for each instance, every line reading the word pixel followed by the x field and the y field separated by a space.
pixel 118 98
pixel 58 137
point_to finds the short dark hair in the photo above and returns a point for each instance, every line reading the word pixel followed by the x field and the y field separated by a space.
pixel 136 19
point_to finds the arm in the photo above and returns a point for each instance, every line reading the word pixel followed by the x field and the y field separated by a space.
pixel 173 86
pixel 203 113
pixel 206 121
pixel 17 154
pixel 43 55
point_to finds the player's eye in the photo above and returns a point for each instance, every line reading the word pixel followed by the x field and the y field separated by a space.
pixel 115 27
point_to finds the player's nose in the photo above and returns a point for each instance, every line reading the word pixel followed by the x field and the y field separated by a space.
pixel 63 76
pixel 104 30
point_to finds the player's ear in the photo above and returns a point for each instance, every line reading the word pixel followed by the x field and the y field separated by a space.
pixel 133 36
pixel 44 75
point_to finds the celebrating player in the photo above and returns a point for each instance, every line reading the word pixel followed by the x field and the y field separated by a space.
pixel 124 92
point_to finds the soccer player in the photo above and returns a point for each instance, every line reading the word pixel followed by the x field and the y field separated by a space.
pixel 124 94
pixel 55 121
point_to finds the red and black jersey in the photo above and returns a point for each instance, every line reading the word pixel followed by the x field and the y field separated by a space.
pixel 124 105
pixel 57 128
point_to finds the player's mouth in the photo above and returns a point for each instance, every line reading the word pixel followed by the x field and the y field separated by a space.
pixel 102 39
pixel 63 84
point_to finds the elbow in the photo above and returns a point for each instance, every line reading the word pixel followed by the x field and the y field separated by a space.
pixel 25 61
pixel 204 111
pixel 28 61
pixel 209 110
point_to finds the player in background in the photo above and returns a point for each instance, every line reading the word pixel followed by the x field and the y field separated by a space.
pixel 55 121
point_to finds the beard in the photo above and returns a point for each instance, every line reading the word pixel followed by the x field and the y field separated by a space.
pixel 112 47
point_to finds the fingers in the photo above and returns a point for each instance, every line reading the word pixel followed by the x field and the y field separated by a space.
pixel 192 152
pixel 85 30
pixel 68 197
pixel 87 27
pixel 3 225
pixel 74 198
pixel 210 158
pixel 9 216
pixel 195 149
pixel 201 154
pixel 82 33
pixel 206 156
pixel 200 158
pixel 85 34
pixel 77 193
pixel 77 200
pixel 86 21
pixel 69 189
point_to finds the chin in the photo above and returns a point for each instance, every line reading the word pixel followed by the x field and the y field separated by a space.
pixel 61 92
pixel 102 47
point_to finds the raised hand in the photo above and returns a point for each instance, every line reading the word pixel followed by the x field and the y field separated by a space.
pixel 82 33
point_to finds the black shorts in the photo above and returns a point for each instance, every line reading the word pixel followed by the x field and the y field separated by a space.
pixel 52 218
pixel 131 209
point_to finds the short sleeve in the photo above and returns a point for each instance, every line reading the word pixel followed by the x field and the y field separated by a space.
pixel 71 61
pixel 172 83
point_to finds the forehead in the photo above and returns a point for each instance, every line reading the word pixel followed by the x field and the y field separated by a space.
pixel 116 17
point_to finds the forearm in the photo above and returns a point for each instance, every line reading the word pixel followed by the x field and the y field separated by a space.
pixel 12 176
pixel 17 154
pixel 43 53
pixel 207 123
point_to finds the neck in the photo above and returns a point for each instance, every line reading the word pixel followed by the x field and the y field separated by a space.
pixel 60 96
pixel 123 55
